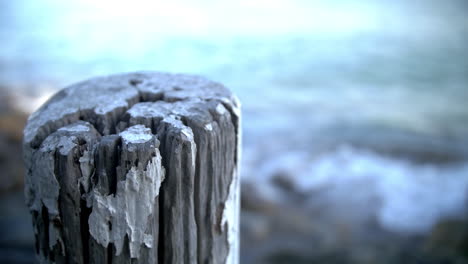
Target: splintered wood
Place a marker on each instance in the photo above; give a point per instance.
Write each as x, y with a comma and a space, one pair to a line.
135, 168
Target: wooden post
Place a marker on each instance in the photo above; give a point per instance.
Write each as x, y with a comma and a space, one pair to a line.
135, 168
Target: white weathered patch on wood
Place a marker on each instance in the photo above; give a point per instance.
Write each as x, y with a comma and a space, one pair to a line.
231, 213
126, 213
209, 127
134, 134
75, 128
230, 219
86, 167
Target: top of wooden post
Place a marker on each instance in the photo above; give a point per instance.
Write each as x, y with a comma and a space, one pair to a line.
96, 99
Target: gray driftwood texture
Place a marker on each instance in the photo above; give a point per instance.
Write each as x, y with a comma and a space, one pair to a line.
135, 168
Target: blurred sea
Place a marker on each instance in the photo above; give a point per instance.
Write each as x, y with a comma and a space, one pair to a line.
360, 105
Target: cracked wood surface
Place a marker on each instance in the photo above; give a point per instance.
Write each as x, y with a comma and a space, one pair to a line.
135, 168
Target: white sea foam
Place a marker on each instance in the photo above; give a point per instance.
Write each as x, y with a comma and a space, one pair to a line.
403, 196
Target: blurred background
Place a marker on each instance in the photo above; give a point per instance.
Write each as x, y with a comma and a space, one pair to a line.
355, 113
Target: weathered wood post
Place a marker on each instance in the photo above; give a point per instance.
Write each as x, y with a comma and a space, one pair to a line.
135, 168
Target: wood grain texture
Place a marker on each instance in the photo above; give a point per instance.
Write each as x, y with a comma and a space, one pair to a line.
135, 168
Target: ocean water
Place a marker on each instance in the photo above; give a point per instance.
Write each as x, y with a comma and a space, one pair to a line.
365, 92
361, 186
